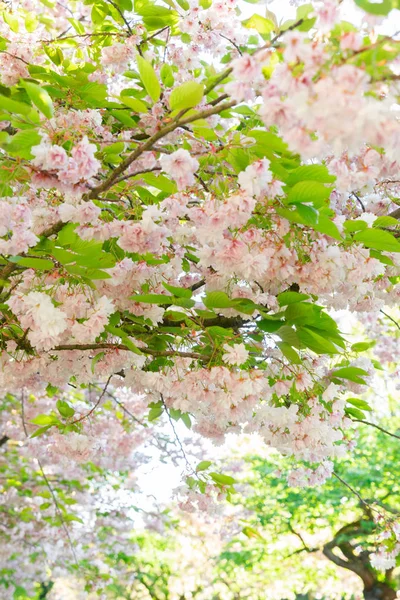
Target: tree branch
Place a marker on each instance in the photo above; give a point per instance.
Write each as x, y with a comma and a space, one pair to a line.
109, 346
121, 168
377, 427
391, 319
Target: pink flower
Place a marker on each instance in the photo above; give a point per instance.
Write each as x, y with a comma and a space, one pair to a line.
235, 355
282, 387
82, 165
351, 40
255, 179
56, 158
246, 68
180, 166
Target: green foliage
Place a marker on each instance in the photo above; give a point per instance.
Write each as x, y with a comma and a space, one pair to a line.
187, 95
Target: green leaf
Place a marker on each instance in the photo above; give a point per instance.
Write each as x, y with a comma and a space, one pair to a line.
222, 479
269, 326
133, 103
155, 16
152, 298
187, 95
217, 300
87, 273
355, 413
21, 143
289, 335
289, 353
362, 346
117, 331
99, 13
250, 532
351, 373
115, 148
65, 409
160, 182
316, 342
31, 22
309, 192
77, 25
358, 403
167, 76
55, 54
44, 420
149, 78
203, 465
40, 264
378, 240
96, 359
40, 431
268, 142
155, 412
260, 24
310, 172
286, 298
11, 20
357, 225
123, 117
178, 291
40, 97
185, 418
12, 106
385, 221
327, 227
376, 8
308, 213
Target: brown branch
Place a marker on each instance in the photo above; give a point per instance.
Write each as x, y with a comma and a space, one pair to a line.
391, 319
395, 213
124, 177
154, 35
178, 441
121, 168
91, 411
377, 427
108, 346
58, 510
117, 8
353, 564
198, 285
354, 491
14, 56
47, 482
296, 533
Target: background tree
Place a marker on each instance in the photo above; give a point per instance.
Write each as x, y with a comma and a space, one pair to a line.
338, 520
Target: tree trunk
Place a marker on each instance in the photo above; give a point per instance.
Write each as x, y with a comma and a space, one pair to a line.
379, 591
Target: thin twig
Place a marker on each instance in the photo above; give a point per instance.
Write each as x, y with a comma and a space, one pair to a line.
232, 42
357, 197
154, 35
58, 510
103, 346
126, 411
96, 405
391, 318
57, 506
377, 427
189, 466
117, 8
354, 491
